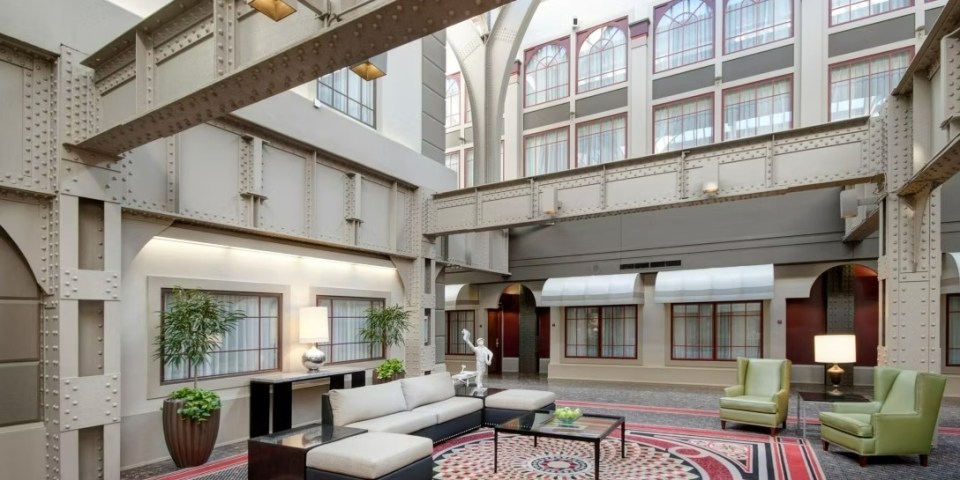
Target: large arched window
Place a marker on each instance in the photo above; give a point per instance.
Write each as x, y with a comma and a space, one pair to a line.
548, 74
684, 34
602, 58
748, 23
453, 100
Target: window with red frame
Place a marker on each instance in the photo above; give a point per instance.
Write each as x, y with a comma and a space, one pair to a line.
547, 74
749, 23
602, 141
844, 11
545, 152
601, 332
758, 108
457, 321
602, 57
859, 87
453, 100
683, 124
683, 34
716, 331
953, 329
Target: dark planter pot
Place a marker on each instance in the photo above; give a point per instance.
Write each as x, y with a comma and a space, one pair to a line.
189, 442
377, 381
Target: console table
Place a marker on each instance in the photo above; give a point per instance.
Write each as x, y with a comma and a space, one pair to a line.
282, 386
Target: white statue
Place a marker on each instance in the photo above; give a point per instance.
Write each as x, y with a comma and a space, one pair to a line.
484, 357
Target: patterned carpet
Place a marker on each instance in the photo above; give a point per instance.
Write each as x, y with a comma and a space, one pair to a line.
652, 452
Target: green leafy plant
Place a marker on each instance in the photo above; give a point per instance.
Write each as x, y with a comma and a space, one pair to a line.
192, 327
198, 403
386, 326
390, 368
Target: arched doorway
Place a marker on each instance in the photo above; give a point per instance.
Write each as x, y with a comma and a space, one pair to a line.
514, 331
843, 299
20, 342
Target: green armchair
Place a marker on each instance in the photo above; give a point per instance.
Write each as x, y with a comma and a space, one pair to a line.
761, 396
901, 420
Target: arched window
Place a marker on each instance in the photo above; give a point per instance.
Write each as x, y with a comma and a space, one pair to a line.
453, 100
548, 74
602, 59
748, 23
684, 34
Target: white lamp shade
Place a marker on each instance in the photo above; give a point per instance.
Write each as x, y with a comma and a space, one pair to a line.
314, 325
835, 348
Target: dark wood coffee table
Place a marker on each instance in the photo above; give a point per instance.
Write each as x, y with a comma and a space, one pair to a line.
588, 428
283, 455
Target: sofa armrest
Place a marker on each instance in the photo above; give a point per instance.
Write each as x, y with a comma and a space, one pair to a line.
855, 407
902, 433
734, 391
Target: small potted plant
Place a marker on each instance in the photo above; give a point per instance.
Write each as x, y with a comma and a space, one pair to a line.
192, 327
390, 370
386, 326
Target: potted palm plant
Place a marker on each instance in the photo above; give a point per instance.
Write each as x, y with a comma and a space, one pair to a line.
193, 326
386, 326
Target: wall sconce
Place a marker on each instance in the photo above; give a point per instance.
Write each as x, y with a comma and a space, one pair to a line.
280, 9
371, 68
275, 9
315, 329
711, 188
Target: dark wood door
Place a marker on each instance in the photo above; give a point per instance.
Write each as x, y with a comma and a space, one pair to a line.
494, 340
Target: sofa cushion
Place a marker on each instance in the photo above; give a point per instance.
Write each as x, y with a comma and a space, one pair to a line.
763, 377
856, 424
356, 404
902, 395
452, 408
369, 455
750, 403
427, 389
400, 422
520, 399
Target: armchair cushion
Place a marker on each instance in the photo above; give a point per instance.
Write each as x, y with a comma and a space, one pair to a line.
750, 403
763, 377
902, 395
857, 424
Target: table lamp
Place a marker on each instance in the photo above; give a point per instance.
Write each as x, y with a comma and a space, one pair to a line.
315, 329
835, 349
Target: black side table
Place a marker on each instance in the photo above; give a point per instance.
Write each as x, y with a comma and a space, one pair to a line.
282, 386
283, 455
822, 397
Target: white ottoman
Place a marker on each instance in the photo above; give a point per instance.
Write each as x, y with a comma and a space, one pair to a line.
372, 455
512, 403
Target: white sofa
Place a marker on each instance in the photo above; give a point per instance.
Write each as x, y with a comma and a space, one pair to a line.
425, 406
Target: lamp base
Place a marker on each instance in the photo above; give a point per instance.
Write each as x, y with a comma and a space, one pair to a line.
313, 358
835, 374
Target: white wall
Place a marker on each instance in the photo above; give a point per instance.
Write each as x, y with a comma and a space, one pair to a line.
189, 257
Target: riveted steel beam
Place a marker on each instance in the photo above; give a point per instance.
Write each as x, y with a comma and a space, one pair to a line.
839, 153
938, 170
302, 47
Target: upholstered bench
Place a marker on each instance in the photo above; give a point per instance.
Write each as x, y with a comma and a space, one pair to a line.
512, 403
372, 455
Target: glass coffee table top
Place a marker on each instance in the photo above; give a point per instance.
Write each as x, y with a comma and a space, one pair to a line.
822, 396
544, 423
309, 436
